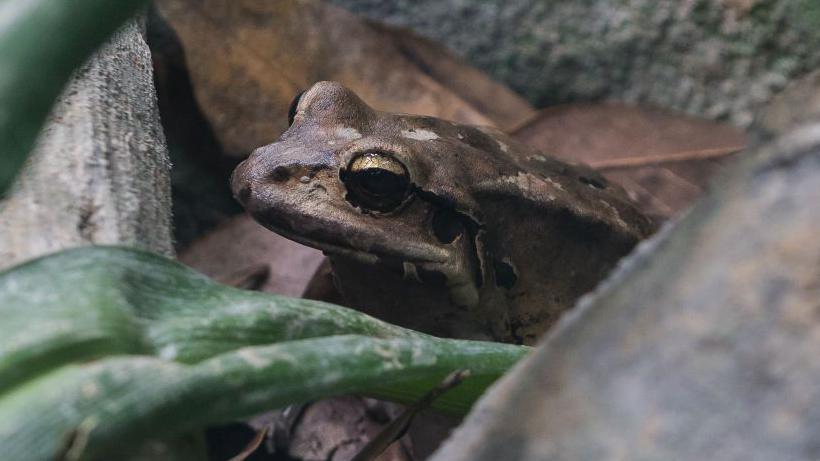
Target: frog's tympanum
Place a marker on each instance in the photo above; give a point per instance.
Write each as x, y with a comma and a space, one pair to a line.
450, 229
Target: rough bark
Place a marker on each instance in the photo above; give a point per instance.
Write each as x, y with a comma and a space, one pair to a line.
702, 346
715, 58
99, 172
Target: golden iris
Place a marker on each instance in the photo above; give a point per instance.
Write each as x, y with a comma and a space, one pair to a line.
376, 181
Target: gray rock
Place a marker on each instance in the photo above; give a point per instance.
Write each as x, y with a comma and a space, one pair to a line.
722, 59
798, 104
703, 345
100, 171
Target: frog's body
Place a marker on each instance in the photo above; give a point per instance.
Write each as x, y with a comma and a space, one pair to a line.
450, 229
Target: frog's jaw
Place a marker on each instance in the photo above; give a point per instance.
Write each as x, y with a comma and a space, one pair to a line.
460, 278
457, 271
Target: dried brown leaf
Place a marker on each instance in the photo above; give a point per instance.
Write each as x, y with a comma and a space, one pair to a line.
239, 249
663, 159
248, 58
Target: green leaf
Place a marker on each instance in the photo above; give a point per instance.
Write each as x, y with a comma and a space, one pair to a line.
41, 43
103, 345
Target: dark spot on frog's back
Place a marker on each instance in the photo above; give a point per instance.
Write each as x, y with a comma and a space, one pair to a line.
505, 274
446, 225
423, 122
478, 139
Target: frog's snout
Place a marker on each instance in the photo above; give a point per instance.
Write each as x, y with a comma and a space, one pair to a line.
254, 181
267, 181
240, 185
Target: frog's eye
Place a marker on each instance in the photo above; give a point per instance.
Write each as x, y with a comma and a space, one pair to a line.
376, 181
294, 105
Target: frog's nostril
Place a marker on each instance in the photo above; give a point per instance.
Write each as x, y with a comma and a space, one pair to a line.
280, 173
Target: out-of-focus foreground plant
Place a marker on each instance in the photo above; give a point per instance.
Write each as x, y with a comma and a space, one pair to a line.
41, 43
104, 346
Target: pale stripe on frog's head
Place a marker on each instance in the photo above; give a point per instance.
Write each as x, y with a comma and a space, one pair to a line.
419, 134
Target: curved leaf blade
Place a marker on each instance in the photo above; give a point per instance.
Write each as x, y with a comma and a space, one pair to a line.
103, 345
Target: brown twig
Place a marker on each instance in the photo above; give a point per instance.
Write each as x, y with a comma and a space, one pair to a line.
253, 445
648, 160
396, 428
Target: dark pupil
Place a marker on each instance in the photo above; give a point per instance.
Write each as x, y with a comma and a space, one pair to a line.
381, 183
378, 189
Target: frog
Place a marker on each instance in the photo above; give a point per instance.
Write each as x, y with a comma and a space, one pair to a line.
449, 229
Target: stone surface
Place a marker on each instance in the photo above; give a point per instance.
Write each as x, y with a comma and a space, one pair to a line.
798, 104
99, 173
703, 345
716, 58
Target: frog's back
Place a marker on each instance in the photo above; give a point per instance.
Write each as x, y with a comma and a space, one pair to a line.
550, 184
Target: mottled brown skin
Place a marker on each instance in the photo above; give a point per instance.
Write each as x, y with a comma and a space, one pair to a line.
492, 240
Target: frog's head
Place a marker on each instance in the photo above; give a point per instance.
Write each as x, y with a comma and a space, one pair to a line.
377, 187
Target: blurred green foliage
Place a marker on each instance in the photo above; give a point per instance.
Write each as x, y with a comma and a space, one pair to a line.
116, 345
41, 43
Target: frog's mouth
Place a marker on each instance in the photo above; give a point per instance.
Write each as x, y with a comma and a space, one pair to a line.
328, 236
459, 275
335, 249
